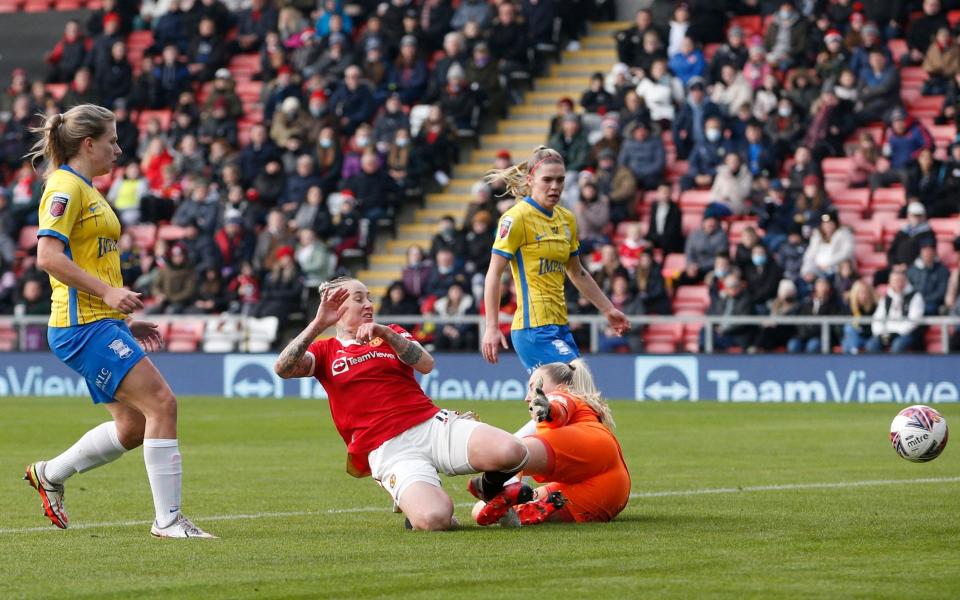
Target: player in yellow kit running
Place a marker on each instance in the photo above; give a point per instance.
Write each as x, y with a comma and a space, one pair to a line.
89, 330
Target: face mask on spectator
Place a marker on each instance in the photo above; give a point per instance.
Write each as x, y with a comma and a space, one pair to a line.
713, 134
758, 260
402, 142
363, 142
326, 143
784, 111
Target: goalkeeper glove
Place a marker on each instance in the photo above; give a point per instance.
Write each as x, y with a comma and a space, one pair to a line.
540, 406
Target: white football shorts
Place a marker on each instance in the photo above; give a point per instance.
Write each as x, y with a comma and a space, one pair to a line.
438, 445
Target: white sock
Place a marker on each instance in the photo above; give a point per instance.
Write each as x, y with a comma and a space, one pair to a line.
164, 469
97, 447
529, 428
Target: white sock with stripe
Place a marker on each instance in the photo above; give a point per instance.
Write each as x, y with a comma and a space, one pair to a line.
97, 447
165, 471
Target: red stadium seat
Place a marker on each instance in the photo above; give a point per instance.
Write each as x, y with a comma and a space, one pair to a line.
694, 201
144, 235
851, 199
948, 255
9, 6
36, 6
913, 75
736, 230
890, 227
184, 336
888, 199
898, 47
659, 347
673, 264
67, 4
945, 229
692, 297
867, 232
171, 232
8, 337
926, 106
750, 24
837, 166
245, 66
57, 90
943, 135
665, 335
690, 221
953, 17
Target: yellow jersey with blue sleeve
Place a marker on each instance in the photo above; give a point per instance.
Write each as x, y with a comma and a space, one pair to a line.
538, 243
74, 212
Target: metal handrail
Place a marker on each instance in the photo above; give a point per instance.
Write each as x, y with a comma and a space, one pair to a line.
596, 323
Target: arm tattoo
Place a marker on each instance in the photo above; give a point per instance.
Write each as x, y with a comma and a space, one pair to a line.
289, 361
408, 351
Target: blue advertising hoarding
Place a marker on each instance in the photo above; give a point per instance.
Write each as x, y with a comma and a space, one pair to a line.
909, 379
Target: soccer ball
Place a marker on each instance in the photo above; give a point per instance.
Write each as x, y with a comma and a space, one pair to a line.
918, 433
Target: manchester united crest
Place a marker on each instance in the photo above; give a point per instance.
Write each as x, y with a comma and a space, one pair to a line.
376, 342
392, 482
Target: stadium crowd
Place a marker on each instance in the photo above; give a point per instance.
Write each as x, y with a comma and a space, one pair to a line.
750, 157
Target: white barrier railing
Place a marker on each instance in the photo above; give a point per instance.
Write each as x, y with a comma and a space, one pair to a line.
595, 322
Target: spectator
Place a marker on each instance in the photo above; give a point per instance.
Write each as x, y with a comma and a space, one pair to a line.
688, 128
175, 286
391, 119
290, 121
644, 155
771, 334
171, 77
608, 267
253, 25
630, 41
617, 186
483, 74
906, 138
81, 91
879, 88
398, 302
905, 247
731, 90
803, 167
731, 187
732, 301
703, 245
346, 226
312, 213
706, 156
410, 72
832, 58
656, 91
942, 62
864, 161
786, 37
571, 142
376, 192
126, 192
244, 290
315, 260
952, 306
756, 151
776, 215
34, 300
476, 11
457, 336
830, 245
687, 62
281, 291
632, 245
925, 180
234, 243
651, 289
114, 76
756, 68
763, 275
844, 279
922, 31
948, 202
733, 53
68, 55
435, 146
329, 159
666, 227
443, 274
596, 99
610, 139
624, 299
790, 254
446, 238
257, 153
211, 295
863, 303
352, 101
860, 57
593, 216
275, 235
270, 183
416, 272
459, 101
297, 184
678, 28
811, 204
895, 320
821, 303
929, 277
453, 54
477, 242
784, 130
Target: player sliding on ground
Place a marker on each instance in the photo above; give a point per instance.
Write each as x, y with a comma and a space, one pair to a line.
89, 326
574, 453
393, 431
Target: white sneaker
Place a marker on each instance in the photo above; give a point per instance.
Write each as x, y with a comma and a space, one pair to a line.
50, 493
181, 527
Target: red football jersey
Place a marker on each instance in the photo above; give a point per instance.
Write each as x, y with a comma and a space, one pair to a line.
373, 395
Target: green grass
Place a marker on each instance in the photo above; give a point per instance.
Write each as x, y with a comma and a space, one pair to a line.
244, 457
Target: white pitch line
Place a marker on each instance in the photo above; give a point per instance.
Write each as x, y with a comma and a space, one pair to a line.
636, 495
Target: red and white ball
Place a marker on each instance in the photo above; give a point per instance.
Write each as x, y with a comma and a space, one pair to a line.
918, 433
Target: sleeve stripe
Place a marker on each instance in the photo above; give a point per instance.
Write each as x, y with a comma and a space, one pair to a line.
575, 252
506, 255
54, 234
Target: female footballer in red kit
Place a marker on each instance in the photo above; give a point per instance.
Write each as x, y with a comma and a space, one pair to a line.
393, 431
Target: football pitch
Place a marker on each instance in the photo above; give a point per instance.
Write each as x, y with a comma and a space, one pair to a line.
729, 500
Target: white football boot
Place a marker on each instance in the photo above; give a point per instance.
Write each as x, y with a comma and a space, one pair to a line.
181, 527
50, 493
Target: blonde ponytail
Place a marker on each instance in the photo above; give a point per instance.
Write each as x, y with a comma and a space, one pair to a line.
578, 380
61, 134
514, 178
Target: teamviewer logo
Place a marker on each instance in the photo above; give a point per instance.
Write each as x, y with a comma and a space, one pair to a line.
250, 376
667, 378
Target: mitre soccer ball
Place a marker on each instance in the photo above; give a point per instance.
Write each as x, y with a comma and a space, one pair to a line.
918, 433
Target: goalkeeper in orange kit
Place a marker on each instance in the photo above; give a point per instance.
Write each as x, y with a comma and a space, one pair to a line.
573, 453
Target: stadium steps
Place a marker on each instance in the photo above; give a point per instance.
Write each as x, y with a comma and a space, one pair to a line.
526, 128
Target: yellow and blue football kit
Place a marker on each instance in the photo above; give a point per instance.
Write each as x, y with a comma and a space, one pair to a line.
538, 243
86, 334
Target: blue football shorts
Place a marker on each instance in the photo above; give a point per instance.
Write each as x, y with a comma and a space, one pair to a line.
541, 345
102, 352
